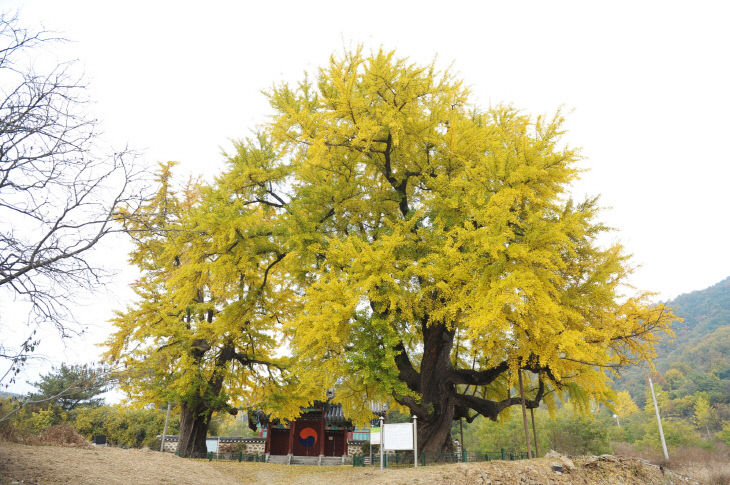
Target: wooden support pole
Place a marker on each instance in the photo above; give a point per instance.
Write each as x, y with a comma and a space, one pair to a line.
164, 431
524, 414
534, 433
461, 430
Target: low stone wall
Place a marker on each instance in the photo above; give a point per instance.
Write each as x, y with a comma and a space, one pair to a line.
226, 444
354, 447
170, 445
252, 446
247, 446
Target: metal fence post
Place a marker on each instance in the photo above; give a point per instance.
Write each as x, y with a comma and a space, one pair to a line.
382, 439
415, 442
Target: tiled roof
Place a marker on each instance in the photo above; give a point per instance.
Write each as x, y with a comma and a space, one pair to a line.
333, 414
257, 417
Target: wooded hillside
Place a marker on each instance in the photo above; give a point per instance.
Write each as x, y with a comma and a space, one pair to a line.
696, 359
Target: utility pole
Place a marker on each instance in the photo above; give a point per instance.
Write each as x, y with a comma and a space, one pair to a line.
659, 421
524, 414
164, 431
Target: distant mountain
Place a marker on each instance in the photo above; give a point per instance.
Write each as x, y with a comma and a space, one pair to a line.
704, 312
700, 349
5, 394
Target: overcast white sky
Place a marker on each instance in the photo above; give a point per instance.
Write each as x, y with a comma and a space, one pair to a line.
645, 85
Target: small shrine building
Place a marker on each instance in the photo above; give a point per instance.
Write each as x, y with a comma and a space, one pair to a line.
320, 430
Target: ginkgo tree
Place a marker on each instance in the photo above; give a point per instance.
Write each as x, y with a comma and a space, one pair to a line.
440, 253
203, 330
387, 238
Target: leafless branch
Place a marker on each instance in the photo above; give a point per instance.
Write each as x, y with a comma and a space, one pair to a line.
37, 401
59, 196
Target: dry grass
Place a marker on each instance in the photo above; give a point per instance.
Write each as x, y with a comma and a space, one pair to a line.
56, 465
59, 435
709, 466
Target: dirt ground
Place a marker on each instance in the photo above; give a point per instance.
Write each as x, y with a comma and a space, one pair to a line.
54, 464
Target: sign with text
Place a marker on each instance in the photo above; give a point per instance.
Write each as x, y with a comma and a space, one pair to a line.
398, 436
374, 436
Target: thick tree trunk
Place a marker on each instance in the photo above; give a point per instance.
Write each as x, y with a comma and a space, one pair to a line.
440, 401
434, 432
194, 422
437, 403
195, 418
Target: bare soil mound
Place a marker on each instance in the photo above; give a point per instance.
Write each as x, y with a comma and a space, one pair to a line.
59, 435
54, 464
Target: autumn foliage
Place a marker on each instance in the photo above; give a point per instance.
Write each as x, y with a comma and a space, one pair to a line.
384, 237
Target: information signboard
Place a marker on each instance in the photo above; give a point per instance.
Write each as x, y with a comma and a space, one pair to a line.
398, 436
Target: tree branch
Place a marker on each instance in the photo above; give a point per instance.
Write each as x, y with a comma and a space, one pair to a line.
406, 372
478, 378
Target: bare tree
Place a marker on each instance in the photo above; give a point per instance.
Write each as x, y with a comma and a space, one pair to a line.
58, 195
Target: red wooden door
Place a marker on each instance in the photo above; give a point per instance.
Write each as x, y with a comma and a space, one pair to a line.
279, 441
306, 438
334, 444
